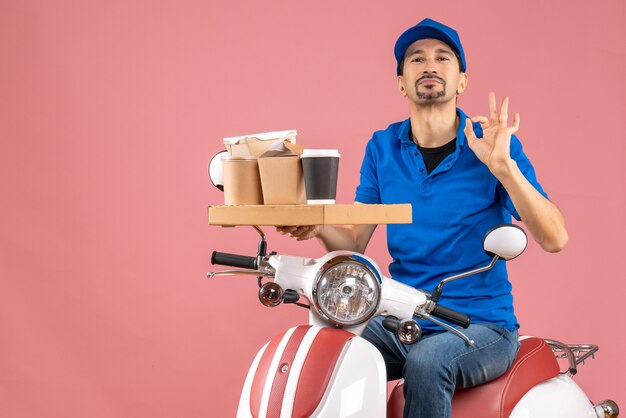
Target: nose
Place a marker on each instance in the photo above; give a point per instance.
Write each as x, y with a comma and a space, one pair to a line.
431, 67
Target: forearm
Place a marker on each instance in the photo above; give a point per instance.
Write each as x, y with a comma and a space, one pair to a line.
542, 217
345, 237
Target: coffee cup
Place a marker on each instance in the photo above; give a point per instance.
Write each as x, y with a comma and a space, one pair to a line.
320, 168
242, 183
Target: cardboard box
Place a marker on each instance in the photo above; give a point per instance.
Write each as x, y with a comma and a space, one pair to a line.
310, 214
280, 170
254, 145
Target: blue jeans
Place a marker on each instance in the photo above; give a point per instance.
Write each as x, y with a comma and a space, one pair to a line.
440, 362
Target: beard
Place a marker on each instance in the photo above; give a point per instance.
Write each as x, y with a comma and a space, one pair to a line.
430, 95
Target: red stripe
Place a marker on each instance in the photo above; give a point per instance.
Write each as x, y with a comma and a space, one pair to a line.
258, 383
280, 376
317, 369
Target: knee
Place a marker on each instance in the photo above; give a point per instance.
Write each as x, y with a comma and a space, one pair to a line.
426, 366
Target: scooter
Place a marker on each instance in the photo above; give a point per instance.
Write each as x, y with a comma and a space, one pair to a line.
325, 369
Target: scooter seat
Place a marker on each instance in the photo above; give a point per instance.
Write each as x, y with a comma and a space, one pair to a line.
535, 363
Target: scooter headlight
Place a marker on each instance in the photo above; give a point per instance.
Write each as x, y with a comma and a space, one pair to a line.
347, 290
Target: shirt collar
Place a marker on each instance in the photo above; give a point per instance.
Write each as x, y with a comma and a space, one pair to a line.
405, 137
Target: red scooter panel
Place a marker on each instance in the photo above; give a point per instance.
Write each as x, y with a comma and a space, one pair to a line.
321, 354
535, 363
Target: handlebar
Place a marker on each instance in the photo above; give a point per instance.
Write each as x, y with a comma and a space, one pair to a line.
234, 260
452, 316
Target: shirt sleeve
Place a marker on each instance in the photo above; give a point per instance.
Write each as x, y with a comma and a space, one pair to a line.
368, 191
517, 154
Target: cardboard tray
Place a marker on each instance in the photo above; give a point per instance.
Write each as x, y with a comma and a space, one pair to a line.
310, 214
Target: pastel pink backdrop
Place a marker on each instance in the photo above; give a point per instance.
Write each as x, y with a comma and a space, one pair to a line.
111, 110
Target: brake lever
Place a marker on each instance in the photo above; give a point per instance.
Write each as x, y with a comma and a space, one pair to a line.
265, 270
424, 315
211, 274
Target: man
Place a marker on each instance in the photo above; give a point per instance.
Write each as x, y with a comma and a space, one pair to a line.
462, 176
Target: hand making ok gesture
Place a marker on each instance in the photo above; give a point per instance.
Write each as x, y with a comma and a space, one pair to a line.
493, 149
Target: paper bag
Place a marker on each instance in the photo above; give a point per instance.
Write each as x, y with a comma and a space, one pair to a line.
254, 145
280, 168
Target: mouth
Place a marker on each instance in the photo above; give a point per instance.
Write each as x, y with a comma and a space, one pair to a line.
429, 81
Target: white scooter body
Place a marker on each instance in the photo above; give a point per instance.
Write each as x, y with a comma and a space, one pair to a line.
320, 370
559, 397
358, 383
358, 388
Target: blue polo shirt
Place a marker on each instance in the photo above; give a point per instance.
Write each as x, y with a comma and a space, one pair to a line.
453, 207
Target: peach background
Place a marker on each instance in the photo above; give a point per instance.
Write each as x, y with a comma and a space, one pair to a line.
111, 110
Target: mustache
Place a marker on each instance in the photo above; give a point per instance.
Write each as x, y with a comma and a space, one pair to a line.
426, 76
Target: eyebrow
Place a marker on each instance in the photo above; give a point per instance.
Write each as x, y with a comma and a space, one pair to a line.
439, 50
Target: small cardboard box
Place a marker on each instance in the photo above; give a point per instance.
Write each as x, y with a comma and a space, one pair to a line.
254, 145
280, 169
310, 214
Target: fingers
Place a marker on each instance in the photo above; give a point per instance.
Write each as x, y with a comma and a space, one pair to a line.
493, 109
304, 232
484, 122
304, 236
504, 111
501, 118
300, 233
469, 133
516, 120
285, 229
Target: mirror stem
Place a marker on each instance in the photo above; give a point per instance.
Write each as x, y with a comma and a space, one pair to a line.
437, 292
262, 248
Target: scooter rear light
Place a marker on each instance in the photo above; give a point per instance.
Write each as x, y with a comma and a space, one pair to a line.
607, 409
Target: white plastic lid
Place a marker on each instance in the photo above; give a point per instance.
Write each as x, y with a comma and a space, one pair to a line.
320, 153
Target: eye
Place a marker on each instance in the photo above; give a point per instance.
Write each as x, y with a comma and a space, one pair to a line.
444, 58
417, 59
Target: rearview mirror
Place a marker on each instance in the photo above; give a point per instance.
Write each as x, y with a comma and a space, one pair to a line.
215, 170
506, 241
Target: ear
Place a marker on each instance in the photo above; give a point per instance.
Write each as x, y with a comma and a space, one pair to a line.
401, 86
462, 83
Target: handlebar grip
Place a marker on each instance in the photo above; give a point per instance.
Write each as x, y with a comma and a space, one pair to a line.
391, 323
234, 260
452, 316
